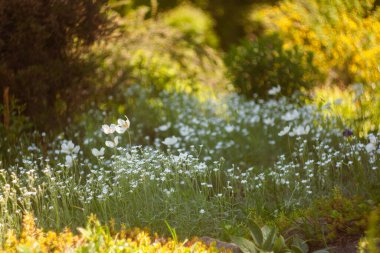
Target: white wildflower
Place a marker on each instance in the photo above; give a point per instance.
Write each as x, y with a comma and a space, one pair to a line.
69, 148
269, 121
69, 161
169, 141
229, 128
97, 152
371, 146
109, 129
114, 143
122, 125
290, 116
284, 131
274, 90
164, 128
300, 130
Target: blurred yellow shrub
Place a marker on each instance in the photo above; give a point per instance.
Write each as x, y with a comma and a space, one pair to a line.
358, 106
343, 35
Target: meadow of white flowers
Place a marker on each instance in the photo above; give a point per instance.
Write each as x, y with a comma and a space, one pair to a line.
202, 166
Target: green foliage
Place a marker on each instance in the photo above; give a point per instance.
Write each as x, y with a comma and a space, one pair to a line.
371, 242
231, 17
13, 133
335, 219
193, 23
153, 54
266, 239
256, 66
41, 48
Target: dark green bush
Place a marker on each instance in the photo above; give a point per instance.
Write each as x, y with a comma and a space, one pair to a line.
41, 54
256, 66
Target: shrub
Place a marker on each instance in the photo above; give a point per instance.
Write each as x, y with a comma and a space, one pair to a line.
344, 35
153, 54
334, 220
256, 66
95, 238
193, 22
358, 105
41, 48
371, 242
231, 17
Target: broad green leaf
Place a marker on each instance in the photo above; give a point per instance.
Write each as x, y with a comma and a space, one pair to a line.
266, 231
245, 245
256, 233
279, 244
269, 240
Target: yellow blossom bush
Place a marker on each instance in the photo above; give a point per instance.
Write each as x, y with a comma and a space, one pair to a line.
358, 106
95, 238
343, 35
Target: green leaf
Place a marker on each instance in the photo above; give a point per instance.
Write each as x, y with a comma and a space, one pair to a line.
266, 231
279, 244
256, 233
297, 249
300, 244
172, 232
269, 242
245, 245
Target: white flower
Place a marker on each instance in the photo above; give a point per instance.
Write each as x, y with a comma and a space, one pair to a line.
269, 121
372, 139
97, 152
284, 131
69, 161
289, 116
122, 125
69, 148
120, 130
370, 147
163, 128
202, 211
300, 130
274, 90
229, 128
114, 143
184, 131
109, 129
170, 141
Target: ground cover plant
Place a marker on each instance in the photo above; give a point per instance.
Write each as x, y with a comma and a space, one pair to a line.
187, 145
